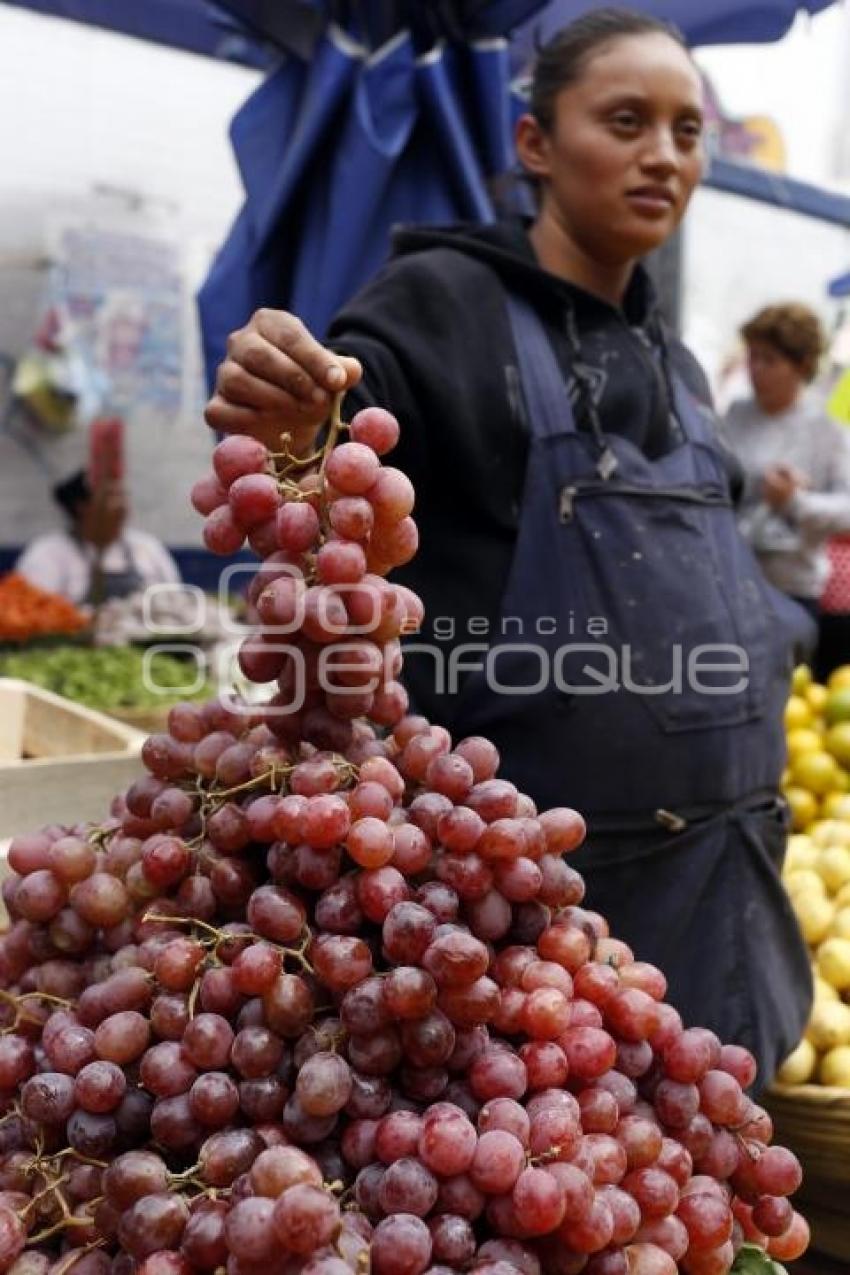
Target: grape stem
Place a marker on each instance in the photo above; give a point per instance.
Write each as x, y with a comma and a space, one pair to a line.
57, 1227
51, 1186
217, 936
65, 1265
16, 1001
333, 432
99, 834
545, 1157
83, 1159
193, 998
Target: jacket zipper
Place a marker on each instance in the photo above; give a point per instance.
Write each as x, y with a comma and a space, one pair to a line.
570, 494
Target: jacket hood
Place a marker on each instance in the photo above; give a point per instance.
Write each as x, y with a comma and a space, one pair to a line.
506, 247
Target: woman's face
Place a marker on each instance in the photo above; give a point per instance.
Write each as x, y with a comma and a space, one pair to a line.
776, 381
625, 151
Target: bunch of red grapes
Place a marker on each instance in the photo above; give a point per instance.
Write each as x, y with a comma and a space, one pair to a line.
320, 995
328, 531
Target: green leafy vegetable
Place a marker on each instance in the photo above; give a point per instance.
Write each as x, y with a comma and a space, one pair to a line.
104, 677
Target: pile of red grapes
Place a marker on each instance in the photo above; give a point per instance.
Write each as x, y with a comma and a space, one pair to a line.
319, 996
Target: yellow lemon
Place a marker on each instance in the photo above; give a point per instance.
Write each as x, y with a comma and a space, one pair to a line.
837, 706
799, 1066
839, 678
836, 805
837, 742
833, 867
842, 781
824, 991
797, 713
801, 853
816, 697
834, 963
803, 807
829, 1025
830, 832
840, 925
814, 914
801, 679
842, 898
835, 1067
815, 771
800, 881
803, 740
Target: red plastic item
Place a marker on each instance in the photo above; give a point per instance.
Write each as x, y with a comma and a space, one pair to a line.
106, 451
836, 595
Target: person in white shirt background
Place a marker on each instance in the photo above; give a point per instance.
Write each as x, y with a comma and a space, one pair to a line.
97, 557
796, 459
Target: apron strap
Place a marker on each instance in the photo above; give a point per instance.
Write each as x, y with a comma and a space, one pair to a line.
547, 400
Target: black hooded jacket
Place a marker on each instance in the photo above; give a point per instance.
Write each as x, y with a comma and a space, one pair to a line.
433, 334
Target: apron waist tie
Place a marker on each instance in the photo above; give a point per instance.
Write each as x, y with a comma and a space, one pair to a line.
678, 821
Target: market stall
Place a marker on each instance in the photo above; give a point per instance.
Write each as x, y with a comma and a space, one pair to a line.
315, 992
132, 658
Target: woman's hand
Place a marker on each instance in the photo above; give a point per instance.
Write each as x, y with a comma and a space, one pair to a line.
277, 378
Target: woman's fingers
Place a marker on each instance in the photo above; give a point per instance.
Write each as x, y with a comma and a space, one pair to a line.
289, 416
245, 385
276, 345
277, 378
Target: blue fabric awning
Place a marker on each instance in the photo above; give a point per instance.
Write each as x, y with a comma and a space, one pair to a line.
702, 21
201, 26
195, 26
779, 191
840, 287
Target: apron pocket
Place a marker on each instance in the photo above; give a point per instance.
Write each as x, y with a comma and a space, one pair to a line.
707, 907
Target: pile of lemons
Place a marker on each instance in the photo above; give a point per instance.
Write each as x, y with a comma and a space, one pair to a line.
817, 868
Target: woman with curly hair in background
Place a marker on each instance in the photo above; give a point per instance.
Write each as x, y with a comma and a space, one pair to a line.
795, 458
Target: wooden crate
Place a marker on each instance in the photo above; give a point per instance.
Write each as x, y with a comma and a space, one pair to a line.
814, 1121
59, 762
148, 720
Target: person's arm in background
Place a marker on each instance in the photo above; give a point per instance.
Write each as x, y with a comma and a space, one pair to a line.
43, 564
693, 374
826, 513
748, 480
159, 565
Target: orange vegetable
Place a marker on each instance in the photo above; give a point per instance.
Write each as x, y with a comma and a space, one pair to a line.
27, 611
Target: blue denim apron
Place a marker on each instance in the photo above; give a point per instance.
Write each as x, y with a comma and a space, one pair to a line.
118, 583
640, 673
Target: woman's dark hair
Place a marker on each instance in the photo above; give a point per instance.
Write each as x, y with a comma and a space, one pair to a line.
72, 494
561, 62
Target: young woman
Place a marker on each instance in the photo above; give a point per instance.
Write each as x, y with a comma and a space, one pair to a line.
580, 561
796, 459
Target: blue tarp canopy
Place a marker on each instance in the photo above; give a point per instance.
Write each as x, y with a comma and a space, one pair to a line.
840, 287
779, 191
192, 25
201, 26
